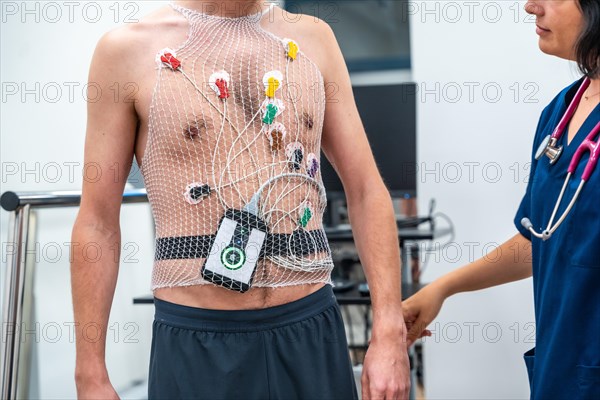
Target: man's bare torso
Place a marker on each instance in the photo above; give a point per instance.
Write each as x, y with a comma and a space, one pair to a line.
168, 28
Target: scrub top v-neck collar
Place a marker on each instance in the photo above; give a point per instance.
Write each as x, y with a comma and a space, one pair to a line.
588, 123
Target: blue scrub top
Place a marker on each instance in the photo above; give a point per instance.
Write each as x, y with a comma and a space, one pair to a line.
565, 363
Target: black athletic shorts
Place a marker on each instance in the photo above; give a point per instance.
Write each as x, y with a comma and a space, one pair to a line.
297, 350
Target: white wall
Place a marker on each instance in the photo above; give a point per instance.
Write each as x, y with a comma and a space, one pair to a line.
464, 142
46, 51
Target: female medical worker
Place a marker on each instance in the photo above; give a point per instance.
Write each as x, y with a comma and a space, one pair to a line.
565, 264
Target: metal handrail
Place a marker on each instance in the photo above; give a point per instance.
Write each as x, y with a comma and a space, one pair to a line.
11, 201
21, 206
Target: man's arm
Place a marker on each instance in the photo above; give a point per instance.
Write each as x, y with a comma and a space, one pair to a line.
371, 213
108, 153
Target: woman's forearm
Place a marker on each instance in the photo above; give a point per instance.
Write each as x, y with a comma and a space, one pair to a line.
510, 262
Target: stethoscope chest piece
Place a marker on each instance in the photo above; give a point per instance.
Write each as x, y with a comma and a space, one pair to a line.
553, 152
550, 149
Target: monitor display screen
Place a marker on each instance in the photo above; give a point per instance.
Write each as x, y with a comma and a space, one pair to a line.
388, 113
370, 47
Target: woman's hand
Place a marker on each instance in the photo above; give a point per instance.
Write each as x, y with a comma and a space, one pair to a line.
420, 309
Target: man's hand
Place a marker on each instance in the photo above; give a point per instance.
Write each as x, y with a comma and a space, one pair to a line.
386, 369
95, 390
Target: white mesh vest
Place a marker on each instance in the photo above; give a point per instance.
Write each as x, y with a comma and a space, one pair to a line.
235, 124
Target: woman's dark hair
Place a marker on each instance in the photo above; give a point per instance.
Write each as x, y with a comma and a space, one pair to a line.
587, 49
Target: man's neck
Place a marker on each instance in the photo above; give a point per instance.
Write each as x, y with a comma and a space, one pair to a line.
225, 8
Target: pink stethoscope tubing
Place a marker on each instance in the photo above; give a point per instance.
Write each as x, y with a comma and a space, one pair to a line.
553, 152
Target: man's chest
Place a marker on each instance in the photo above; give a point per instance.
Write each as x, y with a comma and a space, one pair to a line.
240, 83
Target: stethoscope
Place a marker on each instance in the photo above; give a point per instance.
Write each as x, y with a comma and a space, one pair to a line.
550, 149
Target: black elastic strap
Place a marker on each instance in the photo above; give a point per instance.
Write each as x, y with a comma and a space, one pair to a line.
299, 243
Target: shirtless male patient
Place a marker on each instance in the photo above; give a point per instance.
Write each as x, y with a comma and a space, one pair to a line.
182, 118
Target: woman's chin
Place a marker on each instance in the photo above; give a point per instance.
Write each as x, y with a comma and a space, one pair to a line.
548, 48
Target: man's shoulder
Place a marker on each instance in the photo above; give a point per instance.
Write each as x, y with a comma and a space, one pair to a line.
129, 44
314, 35
308, 25
293, 17
136, 37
